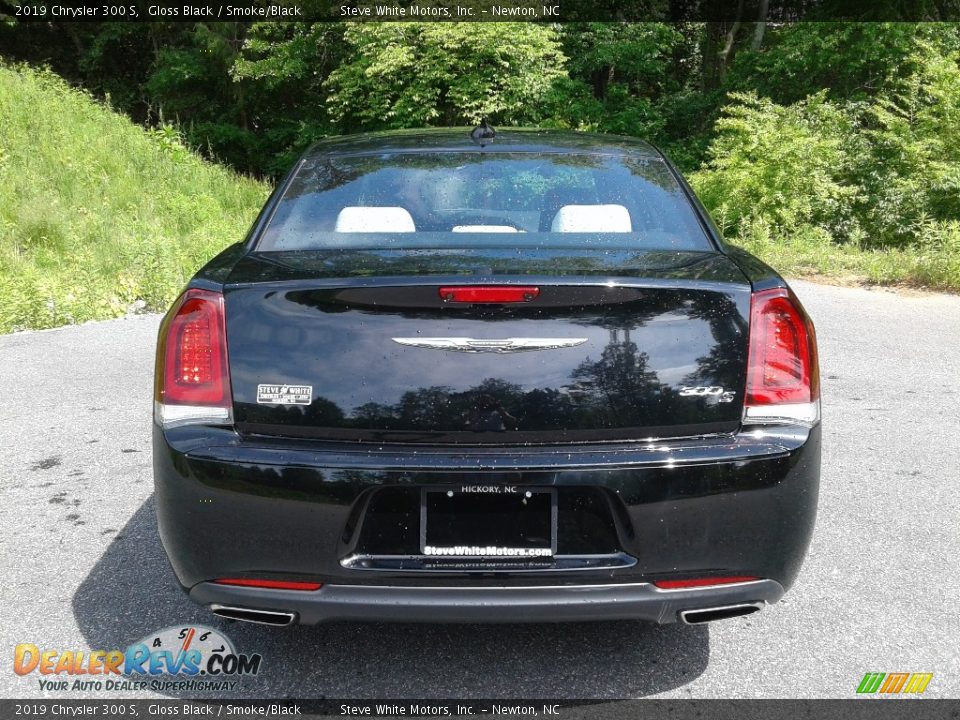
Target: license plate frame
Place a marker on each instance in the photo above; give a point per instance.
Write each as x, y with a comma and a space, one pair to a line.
526, 543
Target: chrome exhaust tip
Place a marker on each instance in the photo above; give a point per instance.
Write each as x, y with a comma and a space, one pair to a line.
276, 618
704, 615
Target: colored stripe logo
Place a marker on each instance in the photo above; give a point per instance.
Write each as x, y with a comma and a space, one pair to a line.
894, 683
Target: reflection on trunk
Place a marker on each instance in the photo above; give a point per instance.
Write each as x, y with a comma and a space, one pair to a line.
616, 390
662, 356
618, 387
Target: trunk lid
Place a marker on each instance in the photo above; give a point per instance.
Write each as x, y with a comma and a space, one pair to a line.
360, 346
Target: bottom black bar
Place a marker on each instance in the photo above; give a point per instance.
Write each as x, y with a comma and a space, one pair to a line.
853, 709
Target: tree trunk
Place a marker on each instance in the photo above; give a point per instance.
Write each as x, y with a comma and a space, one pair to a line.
236, 45
761, 25
601, 79
710, 59
726, 55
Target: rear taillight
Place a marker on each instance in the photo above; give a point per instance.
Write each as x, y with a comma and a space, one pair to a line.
192, 383
783, 383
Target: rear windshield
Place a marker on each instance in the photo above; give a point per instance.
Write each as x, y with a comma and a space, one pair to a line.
483, 199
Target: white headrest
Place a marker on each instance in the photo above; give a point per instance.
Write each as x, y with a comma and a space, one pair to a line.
374, 220
485, 228
591, 218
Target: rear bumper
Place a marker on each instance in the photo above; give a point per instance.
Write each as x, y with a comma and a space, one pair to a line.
634, 601
743, 505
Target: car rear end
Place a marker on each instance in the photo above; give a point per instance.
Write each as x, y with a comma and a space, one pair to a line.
544, 391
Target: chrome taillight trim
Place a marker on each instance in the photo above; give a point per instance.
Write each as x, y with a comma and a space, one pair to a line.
170, 416
785, 414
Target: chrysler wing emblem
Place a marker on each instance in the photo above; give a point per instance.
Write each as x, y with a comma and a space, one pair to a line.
473, 345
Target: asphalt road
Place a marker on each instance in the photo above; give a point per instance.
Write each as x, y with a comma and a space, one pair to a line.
82, 567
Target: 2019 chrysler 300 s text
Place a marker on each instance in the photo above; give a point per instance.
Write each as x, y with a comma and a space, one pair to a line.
466, 377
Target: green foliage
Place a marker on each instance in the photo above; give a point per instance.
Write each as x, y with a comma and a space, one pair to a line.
624, 78
689, 119
95, 213
400, 75
639, 56
848, 60
285, 65
784, 164
912, 175
872, 184
290, 56
190, 82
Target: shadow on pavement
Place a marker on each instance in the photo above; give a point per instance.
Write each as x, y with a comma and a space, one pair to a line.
131, 592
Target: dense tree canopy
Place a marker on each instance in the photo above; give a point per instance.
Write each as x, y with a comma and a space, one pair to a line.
399, 75
833, 132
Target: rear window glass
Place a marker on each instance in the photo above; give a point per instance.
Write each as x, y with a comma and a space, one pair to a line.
483, 199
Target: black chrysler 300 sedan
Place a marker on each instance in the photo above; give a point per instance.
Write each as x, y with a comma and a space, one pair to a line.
510, 378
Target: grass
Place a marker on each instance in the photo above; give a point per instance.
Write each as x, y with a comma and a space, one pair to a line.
97, 215
810, 252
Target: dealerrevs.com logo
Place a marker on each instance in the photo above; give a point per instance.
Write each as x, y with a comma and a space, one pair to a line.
176, 658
